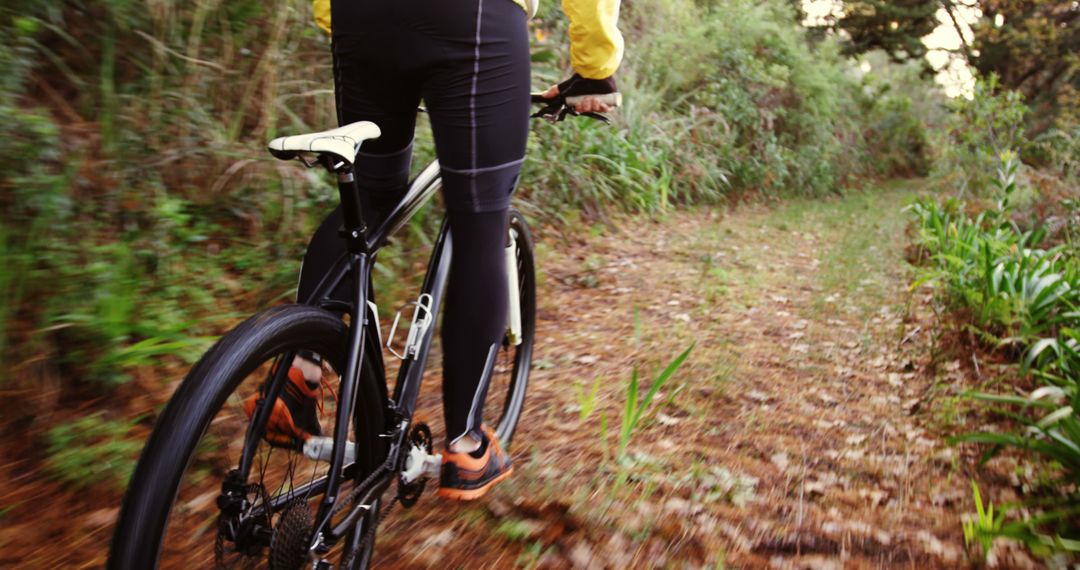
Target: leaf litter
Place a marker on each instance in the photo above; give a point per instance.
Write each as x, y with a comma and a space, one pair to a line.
809, 454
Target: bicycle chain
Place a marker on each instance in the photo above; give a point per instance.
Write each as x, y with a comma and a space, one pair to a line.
346, 560
365, 542
384, 512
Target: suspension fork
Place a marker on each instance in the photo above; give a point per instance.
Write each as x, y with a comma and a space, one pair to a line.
513, 316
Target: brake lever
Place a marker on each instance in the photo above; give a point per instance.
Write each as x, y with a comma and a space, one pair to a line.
557, 110
553, 112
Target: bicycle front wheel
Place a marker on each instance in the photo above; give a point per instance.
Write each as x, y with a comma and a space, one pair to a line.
174, 512
510, 376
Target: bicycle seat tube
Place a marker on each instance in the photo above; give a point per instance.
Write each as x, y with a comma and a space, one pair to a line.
354, 230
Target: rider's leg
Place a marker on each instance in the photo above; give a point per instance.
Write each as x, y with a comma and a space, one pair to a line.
368, 88
471, 60
477, 93
474, 322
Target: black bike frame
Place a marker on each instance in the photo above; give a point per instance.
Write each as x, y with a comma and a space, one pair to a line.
357, 263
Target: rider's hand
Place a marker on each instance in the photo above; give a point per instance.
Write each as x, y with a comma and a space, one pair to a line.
580, 86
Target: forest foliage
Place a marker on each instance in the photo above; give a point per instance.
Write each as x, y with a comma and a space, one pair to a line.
135, 172
1031, 46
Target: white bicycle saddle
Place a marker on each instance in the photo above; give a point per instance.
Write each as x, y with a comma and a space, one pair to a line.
343, 142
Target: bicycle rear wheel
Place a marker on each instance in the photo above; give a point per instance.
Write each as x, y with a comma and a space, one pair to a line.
510, 376
171, 511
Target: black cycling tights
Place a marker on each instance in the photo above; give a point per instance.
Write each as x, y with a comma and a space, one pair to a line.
469, 62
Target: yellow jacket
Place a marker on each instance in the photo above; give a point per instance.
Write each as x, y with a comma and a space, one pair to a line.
596, 46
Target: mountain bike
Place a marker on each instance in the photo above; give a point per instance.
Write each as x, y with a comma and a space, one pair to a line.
209, 490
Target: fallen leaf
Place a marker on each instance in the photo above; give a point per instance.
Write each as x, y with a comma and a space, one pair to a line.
780, 460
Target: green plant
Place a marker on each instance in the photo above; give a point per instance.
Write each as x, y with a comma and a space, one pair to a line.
1055, 434
513, 530
1017, 291
985, 527
635, 407
586, 402
1024, 299
1057, 360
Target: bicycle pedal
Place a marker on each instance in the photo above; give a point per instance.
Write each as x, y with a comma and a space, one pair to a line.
322, 449
419, 463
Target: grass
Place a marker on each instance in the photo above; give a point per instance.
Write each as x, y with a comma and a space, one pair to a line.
586, 401
861, 230
984, 527
635, 406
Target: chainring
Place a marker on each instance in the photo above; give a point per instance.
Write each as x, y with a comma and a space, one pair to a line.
409, 493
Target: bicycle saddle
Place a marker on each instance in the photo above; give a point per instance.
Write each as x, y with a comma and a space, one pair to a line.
342, 142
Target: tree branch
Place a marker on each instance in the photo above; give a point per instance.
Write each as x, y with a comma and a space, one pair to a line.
948, 5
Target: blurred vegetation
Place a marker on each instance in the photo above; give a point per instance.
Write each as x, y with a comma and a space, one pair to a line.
90, 450
134, 194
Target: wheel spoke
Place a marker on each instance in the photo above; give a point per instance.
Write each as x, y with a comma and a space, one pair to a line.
207, 521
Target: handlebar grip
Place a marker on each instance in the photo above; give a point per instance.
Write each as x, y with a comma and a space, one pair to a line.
612, 99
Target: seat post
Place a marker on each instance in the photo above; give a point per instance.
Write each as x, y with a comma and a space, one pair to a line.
354, 230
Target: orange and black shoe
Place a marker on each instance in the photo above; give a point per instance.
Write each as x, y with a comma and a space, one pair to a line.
468, 476
295, 417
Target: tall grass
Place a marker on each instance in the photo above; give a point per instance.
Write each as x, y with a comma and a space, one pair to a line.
134, 188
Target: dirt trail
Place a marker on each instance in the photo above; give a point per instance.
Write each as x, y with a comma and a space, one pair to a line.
794, 436
791, 438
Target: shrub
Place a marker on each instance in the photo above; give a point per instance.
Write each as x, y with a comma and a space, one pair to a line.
979, 131
721, 97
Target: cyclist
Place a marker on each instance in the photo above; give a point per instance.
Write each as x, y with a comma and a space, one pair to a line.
469, 62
